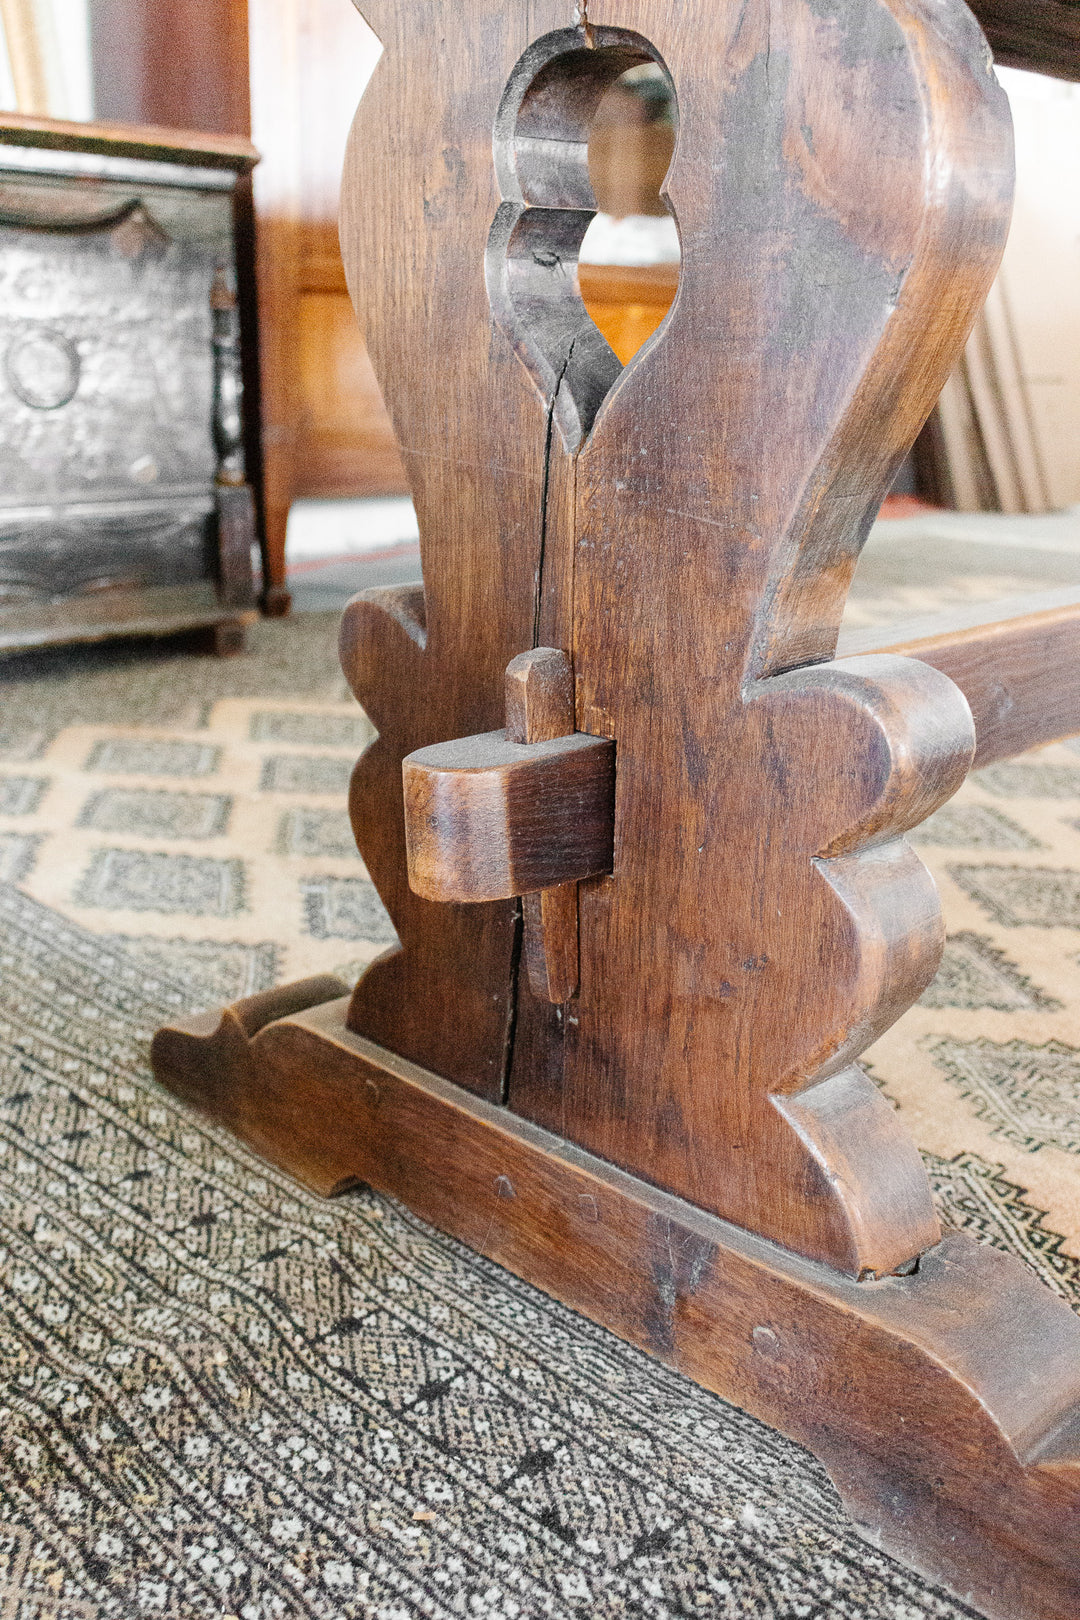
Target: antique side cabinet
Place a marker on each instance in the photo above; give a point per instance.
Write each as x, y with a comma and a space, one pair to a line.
124, 507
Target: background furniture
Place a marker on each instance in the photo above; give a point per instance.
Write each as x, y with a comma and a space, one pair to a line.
324, 428
287, 71
123, 502
627, 302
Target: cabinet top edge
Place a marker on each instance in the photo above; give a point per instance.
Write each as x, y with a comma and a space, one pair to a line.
193, 148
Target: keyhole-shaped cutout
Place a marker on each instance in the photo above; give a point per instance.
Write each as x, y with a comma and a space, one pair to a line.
541, 147
628, 268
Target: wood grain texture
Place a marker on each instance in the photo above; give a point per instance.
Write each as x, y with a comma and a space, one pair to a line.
540, 707
945, 1404
487, 818
539, 696
1016, 661
686, 527
1040, 35
345, 445
551, 942
516, 811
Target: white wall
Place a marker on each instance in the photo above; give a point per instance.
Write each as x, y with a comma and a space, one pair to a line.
61, 29
1039, 282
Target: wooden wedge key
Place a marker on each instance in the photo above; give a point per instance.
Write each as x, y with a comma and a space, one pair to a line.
640, 833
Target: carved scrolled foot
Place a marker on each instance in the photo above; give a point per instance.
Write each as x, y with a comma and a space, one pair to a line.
207, 1060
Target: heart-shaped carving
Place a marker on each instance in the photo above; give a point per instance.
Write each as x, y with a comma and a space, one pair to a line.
542, 162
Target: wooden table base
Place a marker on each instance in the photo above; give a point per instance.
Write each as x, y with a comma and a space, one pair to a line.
945, 1404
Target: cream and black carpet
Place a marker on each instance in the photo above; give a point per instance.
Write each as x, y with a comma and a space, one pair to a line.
224, 1396
221, 1396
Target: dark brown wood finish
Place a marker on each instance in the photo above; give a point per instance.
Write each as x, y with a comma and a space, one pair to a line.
516, 811
539, 696
1040, 35
345, 443
1017, 662
687, 528
487, 818
945, 1404
540, 707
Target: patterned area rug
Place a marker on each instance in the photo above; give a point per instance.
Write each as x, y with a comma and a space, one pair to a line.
226, 849
162, 682
165, 802
986, 1069
223, 1397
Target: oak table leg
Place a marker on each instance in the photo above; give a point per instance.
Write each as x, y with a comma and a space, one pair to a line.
640, 832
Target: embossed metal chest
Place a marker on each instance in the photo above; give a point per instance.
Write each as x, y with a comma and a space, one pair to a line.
123, 503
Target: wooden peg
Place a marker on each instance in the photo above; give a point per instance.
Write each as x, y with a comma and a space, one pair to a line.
539, 696
550, 942
494, 816
540, 706
512, 812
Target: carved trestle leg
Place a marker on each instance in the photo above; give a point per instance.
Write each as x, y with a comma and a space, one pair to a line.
641, 836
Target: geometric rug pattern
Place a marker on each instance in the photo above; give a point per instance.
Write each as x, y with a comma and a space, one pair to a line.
228, 845
222, 1396
986, 1068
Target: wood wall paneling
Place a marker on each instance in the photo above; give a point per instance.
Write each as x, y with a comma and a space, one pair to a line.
627, 302
345, 442
184, 65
